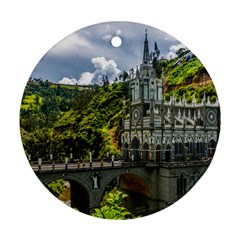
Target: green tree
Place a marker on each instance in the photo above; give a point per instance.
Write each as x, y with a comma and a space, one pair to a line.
123, 76
56, 187
110, 207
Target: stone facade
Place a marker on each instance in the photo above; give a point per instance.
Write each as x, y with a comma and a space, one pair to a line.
158, 130
177, 138
150, 188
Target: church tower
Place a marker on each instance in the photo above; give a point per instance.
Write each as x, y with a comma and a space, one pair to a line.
166, 131
144, 85
146, 96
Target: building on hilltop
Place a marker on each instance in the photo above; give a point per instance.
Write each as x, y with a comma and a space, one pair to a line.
166, 131
175, 140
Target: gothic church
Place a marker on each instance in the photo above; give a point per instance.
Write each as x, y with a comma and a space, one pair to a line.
177, 138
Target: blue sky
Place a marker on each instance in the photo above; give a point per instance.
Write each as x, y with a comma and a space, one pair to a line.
87, 54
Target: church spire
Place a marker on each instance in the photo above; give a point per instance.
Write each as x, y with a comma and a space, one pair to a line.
146, 57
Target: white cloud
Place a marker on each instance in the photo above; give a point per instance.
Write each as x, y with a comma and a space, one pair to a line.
173, 49
85, 78
69, 81
99, 62
102, 66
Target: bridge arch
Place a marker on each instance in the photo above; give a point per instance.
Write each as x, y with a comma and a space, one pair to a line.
138, 172
135, 183
78, 186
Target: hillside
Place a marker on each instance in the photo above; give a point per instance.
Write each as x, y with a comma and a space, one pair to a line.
69, 121
62, 120
96, 127
186, 76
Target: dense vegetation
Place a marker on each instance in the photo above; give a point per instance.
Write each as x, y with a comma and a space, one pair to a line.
69, 121
185, 76
56, 187
64, 121
111, 207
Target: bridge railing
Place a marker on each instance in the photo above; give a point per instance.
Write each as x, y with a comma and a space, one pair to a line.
77, 165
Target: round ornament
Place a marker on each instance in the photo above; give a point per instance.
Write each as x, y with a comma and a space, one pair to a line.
211, 117
107, 108
136, 114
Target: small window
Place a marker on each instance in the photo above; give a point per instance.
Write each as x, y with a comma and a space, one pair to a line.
181, 186
178, 148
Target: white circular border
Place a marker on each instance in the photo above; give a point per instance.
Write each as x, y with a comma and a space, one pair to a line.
208, 210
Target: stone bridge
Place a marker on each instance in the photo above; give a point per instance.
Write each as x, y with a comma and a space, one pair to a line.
150, 186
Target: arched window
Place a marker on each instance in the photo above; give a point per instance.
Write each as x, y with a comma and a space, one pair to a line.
136, 91
125, 152
178, 148
158, 153
181, 185
146, 153
135, 149
146, 91
200, 147
189, 147
133, 92
168, 153
211, 148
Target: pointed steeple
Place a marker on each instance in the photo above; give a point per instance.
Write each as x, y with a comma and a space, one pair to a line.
198, 114
137, 73
194, 101
146, 56
179, 113
208, 100
194, 116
